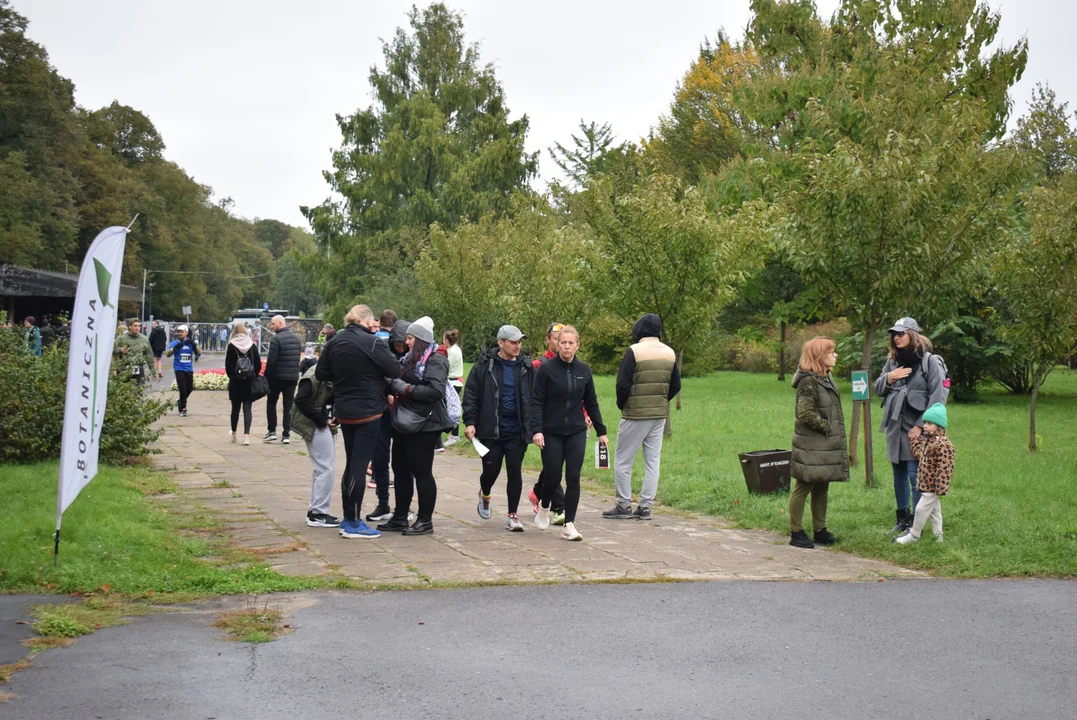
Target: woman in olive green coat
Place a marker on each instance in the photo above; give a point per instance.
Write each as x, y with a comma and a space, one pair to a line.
820, 455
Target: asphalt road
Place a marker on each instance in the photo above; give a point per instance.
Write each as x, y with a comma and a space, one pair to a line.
906, 649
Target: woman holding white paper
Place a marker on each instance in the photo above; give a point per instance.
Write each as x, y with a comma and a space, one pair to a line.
564, 387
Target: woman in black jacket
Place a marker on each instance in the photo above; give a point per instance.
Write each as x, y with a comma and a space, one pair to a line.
563, 389
419, 393
239, 388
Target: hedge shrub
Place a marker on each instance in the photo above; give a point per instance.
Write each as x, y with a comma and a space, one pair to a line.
32, 407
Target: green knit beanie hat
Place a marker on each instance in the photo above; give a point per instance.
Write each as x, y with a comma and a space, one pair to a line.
936, 414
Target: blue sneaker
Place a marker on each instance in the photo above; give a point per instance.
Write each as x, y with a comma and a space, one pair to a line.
358, 529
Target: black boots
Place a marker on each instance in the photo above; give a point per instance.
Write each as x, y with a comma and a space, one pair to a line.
823, 537
800, 539
420, 527
904, 522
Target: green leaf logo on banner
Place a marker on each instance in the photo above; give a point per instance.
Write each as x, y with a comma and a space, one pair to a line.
104, 279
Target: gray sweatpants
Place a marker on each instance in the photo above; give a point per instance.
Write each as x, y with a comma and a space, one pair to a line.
322, 451
630, 435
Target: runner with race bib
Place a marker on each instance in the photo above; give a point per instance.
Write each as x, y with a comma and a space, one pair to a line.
184, 351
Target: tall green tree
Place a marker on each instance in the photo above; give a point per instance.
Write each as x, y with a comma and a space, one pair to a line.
1037, 274
588, 154
528, 268
660, 249
437, 146
706, 126
884, 122
40, 142
291, 288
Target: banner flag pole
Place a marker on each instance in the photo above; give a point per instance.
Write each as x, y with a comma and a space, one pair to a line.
89, 366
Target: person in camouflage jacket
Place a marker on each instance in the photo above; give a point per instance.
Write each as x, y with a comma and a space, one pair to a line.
134, 358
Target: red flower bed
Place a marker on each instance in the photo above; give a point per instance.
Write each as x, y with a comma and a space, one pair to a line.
220, 371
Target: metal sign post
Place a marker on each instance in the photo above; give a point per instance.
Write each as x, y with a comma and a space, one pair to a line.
862, 394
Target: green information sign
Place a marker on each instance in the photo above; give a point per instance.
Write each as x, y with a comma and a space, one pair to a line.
860, 385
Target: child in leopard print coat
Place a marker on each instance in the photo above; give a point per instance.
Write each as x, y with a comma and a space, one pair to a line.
935, 454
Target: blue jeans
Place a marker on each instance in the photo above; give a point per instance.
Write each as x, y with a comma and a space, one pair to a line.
904, 479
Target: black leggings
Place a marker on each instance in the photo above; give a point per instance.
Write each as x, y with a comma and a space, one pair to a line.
566, 451
512, 452
246, 415
413, 456
360, 442
185, 385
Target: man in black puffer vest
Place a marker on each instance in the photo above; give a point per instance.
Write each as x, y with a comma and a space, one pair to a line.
282, 372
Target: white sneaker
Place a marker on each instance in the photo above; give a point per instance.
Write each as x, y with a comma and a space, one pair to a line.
246, 439
570, 532
232, 436
411, 517
451, 440
514, 524
938, 538
906, 539
542, 520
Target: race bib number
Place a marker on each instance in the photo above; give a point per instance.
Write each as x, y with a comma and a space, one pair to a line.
185, 357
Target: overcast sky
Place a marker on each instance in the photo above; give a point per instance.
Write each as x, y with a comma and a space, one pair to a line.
245, 92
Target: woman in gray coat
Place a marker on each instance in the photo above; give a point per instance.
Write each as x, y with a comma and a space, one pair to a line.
911, 381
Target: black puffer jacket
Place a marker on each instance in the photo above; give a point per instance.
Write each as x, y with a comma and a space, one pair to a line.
426, 397
282, 363
357, 364
562, 391
158, 340
482, 395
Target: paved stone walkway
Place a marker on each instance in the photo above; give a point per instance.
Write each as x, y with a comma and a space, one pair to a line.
268, 490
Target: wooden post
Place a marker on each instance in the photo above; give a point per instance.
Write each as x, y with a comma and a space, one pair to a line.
869, 469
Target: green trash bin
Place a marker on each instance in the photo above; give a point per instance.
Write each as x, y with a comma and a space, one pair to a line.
766, 471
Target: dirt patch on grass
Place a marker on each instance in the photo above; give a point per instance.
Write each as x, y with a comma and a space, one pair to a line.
40, 644
275, 549
256, 623
6, 671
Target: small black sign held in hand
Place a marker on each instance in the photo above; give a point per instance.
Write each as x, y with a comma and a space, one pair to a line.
602, 456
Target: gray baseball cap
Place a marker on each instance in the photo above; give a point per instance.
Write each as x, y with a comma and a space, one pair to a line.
905, 323
510, 332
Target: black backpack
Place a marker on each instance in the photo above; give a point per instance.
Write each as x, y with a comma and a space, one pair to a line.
244, 367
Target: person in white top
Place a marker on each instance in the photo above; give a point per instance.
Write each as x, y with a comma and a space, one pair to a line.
450, 339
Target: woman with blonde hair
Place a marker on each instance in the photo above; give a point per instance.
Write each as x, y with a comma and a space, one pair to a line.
241, 365
563, 389
820, 454
911, 381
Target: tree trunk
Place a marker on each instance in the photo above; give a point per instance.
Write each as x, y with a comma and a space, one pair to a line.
865, 364
1032, 413
781, 354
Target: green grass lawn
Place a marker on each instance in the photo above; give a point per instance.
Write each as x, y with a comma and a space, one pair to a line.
1009, 512
113, 536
